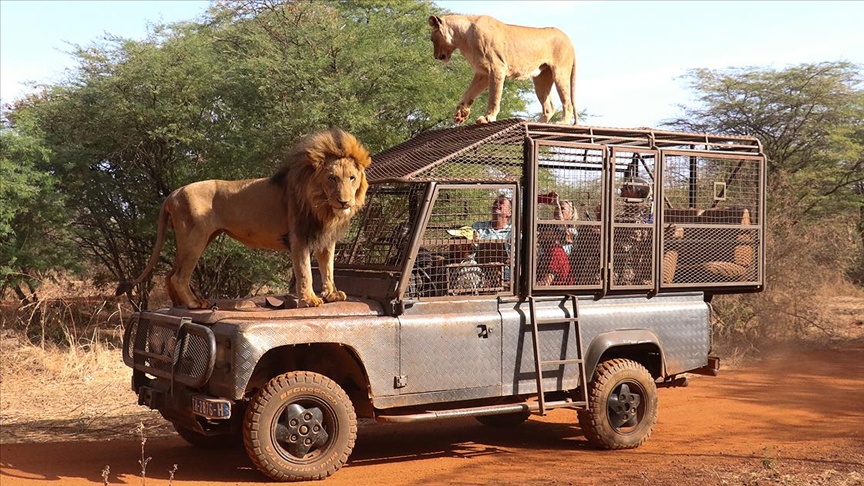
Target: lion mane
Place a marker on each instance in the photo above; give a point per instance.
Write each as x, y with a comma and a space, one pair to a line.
496, 51
304, 207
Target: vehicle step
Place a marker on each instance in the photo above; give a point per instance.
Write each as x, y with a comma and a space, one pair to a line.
478, 411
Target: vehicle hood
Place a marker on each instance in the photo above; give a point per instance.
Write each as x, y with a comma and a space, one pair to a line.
274, 308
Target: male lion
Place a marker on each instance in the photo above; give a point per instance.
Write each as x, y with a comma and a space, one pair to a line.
497, 51
305, 207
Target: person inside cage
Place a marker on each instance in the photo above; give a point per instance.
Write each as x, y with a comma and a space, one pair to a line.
498, 227
464, 274
564, 210
633, 245
553, 264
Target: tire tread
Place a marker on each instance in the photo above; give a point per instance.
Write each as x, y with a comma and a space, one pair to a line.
591, 421
254, 413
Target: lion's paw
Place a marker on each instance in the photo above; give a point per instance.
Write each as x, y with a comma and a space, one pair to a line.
310, 301
199, 304
461, 114
334, 296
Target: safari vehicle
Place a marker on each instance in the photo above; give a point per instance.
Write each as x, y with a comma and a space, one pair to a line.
629, 312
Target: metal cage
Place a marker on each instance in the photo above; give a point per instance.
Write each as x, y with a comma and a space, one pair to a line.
592, 210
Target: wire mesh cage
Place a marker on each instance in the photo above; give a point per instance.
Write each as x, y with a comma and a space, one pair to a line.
466, 247
478, 153
569, 213
633, 208
711, 213
610, 210
379, 235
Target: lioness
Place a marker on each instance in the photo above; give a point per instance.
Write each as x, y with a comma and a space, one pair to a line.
497, 51
305, 207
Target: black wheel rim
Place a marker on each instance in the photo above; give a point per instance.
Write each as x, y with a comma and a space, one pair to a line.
626, 406
304, 430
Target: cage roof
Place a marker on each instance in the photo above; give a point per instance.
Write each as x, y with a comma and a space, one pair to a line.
495, 152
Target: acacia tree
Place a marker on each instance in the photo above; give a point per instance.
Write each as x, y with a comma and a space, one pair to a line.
810, 120
224, 97
364, 65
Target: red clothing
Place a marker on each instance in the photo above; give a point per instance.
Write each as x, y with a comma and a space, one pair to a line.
546, 198
557, 263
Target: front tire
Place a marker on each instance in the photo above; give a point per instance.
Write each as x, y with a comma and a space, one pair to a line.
301, 426
622, 405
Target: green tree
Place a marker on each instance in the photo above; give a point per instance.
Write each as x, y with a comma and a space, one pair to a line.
35, 243
224, 97
809, 118
359, 64
130, 126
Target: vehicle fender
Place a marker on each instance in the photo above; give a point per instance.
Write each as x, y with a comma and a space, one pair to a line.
629, 338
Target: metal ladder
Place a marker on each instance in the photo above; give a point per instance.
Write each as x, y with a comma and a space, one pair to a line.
539, 363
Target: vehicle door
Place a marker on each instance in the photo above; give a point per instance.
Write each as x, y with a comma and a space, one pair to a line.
450, 331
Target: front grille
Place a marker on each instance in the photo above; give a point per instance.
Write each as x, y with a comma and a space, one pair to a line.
170, 347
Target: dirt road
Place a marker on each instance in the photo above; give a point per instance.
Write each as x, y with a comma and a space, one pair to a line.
794, 419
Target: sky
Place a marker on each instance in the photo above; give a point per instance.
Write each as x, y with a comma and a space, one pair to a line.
631, 56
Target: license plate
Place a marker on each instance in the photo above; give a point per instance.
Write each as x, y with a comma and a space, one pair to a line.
212, 408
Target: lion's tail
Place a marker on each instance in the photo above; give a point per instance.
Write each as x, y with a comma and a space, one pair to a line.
573, 92
127, 286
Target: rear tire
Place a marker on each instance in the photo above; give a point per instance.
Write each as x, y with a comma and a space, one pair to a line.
301, 426
622, 405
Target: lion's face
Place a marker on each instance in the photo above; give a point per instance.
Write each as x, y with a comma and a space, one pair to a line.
343, 185
442, 39
329, 173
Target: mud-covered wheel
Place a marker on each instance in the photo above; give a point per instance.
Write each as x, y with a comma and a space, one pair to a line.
301, 426
202, 441
622, 405
504, 420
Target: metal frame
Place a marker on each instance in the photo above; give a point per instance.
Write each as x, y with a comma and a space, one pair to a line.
531, 218
755, 284
634, 226
456, 155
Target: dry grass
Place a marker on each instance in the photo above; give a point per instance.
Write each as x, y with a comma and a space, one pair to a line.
808, 298
750, 324
62, 375
56, 393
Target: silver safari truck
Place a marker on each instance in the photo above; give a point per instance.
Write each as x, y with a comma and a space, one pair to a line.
496, 271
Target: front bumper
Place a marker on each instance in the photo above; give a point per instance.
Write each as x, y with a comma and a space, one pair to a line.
176, 406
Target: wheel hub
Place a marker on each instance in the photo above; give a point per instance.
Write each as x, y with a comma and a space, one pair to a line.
301, 429
623, 406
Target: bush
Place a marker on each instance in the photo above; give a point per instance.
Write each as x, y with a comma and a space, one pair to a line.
806, 266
